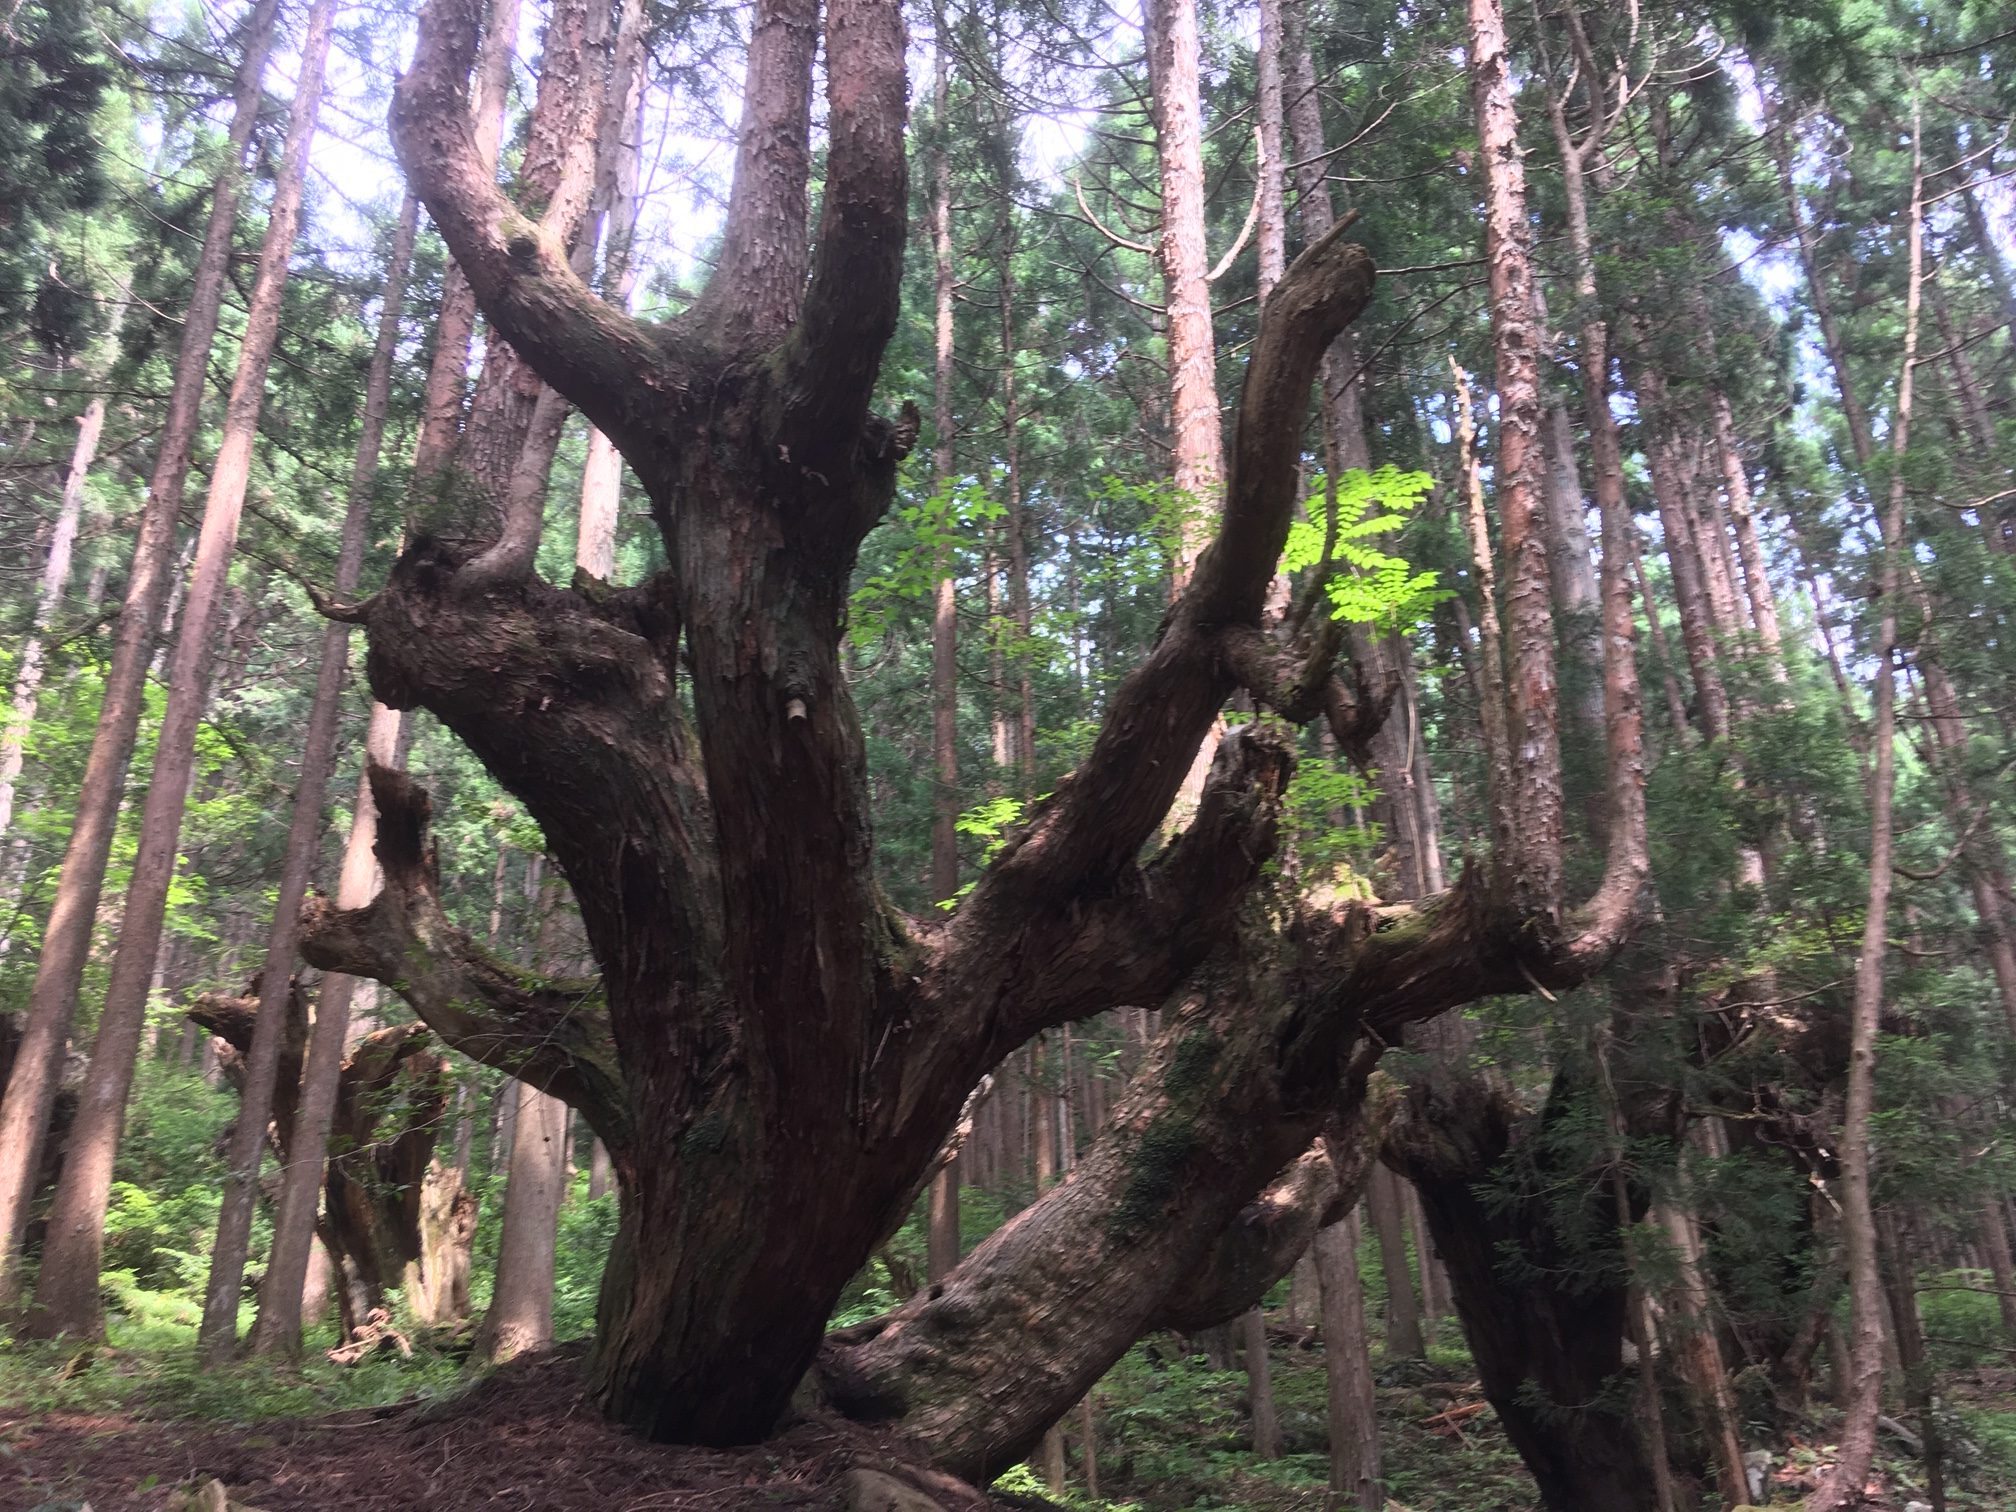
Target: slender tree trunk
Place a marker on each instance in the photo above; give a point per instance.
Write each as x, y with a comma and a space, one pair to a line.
55, 578
1895, 1258
277, 1330
520, 1318
1197, 435
942, 1247
1260, 1385
1859, 436
1574, 580
67, 1289
218, 1334
1434, 1283
66, 940
1356, 1477
1994, 1232
1862, 1401
1272, 234
619, 157
1694, 1341
1389, 1223
1684, 558
1016, 526
1743, 516
318, 1289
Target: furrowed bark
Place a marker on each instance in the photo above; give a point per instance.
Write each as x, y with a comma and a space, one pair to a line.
1533, 856
1082, 1273
66, 941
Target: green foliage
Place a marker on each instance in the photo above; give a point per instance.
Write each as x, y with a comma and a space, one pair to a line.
53, 76
587, 1227
1345, 522
923, 539
1330, 835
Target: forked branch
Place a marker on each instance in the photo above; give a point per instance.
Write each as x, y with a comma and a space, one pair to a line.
594, 354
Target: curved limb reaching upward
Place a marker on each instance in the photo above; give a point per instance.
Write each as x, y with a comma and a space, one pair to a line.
553, 1034
604, 361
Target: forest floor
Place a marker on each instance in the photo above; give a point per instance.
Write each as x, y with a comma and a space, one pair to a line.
138, 1428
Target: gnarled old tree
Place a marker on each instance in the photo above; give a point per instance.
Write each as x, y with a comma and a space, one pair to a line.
773, 1053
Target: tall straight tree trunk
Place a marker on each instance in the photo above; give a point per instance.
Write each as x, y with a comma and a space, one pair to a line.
1197, 435
218, 1334
520, 1318
1743, 518
1403, 1315
67, 1289
1574, 579
278, 1329
1863, 1399
1016, 526
1357, 1479
619, 156
1535, 768
66, 939
28, 670
1779, 129
1434, 1283
1896, 1259
1684, 557
1260, 1385
942, 1240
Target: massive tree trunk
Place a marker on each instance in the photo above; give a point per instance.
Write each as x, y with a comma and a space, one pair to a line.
757, 981
773, 1055
67, 1288
66, 939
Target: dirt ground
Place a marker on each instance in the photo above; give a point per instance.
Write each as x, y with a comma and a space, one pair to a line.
523, 1439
